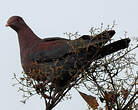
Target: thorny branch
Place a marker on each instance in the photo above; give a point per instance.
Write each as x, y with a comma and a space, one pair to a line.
113, 79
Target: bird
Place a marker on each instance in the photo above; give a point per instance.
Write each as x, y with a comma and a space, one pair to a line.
58, 60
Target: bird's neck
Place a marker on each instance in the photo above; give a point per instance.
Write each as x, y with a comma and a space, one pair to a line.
26, 38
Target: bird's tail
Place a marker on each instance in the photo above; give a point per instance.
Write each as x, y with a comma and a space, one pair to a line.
97, 41
113, 47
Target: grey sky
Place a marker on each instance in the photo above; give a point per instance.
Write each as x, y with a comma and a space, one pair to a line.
50, 18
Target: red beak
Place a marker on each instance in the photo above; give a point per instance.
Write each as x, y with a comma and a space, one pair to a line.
7, 25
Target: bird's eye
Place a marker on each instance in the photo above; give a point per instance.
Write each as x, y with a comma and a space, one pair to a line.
18, 19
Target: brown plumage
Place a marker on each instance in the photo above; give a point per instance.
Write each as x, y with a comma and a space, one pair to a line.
57, 60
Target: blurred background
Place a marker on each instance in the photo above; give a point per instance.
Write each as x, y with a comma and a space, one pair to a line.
50, 18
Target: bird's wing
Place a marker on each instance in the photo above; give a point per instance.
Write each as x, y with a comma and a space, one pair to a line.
53, 39
50, 49
59, 48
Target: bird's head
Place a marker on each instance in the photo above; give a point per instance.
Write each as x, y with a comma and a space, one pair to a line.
16, 23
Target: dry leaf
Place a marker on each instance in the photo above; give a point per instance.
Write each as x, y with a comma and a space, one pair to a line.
100, 108
22, 79
130, 107
106, 107
92, 102
124, 93
110, 97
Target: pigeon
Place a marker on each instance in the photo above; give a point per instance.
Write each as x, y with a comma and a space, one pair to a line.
58, 60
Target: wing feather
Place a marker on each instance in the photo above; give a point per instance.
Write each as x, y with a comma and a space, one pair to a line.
58, 48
